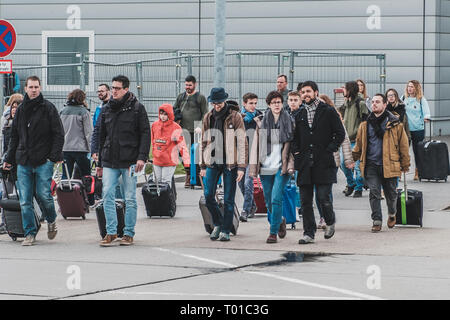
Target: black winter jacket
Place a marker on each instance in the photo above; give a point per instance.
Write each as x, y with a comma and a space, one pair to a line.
124, 133
37, 134
313, 148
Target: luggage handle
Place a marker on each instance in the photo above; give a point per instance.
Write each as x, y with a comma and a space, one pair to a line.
66, 167
150, 162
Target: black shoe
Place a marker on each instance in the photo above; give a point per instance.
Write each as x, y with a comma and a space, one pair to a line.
349, 191
345, 190
357, 194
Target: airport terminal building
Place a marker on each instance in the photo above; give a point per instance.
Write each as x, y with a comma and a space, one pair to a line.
408, 39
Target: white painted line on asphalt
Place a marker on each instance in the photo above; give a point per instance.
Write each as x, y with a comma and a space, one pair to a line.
316, 285
245, 296
297, 281
224, 264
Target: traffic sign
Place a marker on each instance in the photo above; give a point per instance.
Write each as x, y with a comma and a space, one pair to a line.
5, 66
7, 38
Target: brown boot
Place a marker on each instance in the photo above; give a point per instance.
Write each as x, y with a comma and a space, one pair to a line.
187, 182
108, 240
416, 175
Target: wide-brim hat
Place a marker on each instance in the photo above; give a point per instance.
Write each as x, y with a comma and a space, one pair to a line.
217, 95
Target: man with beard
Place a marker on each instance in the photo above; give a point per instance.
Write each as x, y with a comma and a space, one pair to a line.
319, 132
282, 88
382, 147
37, 139
124, 142
189, 108
104, 94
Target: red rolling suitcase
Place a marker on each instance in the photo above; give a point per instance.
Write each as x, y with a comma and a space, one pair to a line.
258, 195
72, 198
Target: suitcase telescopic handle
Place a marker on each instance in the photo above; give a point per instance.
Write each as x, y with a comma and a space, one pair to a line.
150, 162
66, 167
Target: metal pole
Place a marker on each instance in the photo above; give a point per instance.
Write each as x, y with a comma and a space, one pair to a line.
291, 71
82, 73
239, 56
178, 74
219, 53
139, 82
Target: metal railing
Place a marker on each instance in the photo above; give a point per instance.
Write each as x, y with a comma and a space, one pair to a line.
158, 77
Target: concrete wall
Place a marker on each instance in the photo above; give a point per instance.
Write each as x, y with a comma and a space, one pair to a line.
332, 26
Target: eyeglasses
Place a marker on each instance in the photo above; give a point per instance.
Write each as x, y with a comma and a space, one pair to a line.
216, 103
391, 95
116, 88
276, 102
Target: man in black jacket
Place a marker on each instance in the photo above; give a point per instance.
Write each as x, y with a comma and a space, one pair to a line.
37, 139
318, 134
123, 151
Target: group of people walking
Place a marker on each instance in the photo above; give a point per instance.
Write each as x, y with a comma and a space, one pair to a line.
300, 133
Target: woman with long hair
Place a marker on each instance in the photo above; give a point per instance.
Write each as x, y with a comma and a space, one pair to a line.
418, 112
363, 93
398, 108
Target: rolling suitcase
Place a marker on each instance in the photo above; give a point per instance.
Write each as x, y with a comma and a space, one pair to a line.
433, 160
195, 166
289, 203
72, 198
159, 198
11, 208
101, 219
207, 217
409, 207
258, 196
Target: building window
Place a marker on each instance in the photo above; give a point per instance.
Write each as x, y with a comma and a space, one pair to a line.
67, 47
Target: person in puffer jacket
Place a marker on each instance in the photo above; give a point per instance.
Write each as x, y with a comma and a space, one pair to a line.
167, 143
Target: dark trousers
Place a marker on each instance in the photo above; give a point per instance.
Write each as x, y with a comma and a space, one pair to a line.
325, 203
375, 179
82, 161
416, 137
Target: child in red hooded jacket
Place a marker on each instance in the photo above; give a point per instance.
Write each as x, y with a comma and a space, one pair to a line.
167, 143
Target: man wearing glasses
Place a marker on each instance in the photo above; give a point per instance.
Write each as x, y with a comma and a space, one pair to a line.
123, 150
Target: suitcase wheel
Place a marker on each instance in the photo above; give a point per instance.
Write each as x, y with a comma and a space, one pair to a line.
14, 238
83, 217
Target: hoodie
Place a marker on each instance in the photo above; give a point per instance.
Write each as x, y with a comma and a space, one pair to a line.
168, 141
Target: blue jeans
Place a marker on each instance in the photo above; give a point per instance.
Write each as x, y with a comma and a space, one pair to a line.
246, 186
229, 191
110, 182
273, 188
356, 182
37, 179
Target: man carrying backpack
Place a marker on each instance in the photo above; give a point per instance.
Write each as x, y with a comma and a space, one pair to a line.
189, 108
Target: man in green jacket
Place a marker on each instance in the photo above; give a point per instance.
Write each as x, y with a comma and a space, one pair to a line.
189, 109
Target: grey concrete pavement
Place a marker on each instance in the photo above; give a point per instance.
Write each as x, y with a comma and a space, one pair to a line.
174, 258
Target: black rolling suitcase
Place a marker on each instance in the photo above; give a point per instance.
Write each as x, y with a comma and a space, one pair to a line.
433, 160
101, 219
410, 207
207, 217
159, 198
11, 208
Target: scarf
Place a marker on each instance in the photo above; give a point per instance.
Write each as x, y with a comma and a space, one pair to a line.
248, 115
282, 130
29, 106
117, 104
376, 123
400, 109
219, 117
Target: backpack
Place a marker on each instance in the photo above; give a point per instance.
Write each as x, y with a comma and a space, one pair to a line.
178, 112
361, 117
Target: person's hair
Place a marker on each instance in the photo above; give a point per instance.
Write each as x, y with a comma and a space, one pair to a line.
352, 89
190, 78
14, 98
78, 97
284, 76
397, 99
272, 95
417, 87
122, 79
364, 93
299, 86
293, 93
326, 99
32, 78
311, 84
249, 96
104, 84
382, 96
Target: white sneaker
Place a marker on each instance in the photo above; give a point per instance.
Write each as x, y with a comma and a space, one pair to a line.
305, 240
29, 240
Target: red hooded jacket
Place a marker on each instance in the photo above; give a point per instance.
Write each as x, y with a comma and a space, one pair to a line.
168, 141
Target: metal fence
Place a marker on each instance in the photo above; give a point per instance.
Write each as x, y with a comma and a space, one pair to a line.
158, 77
